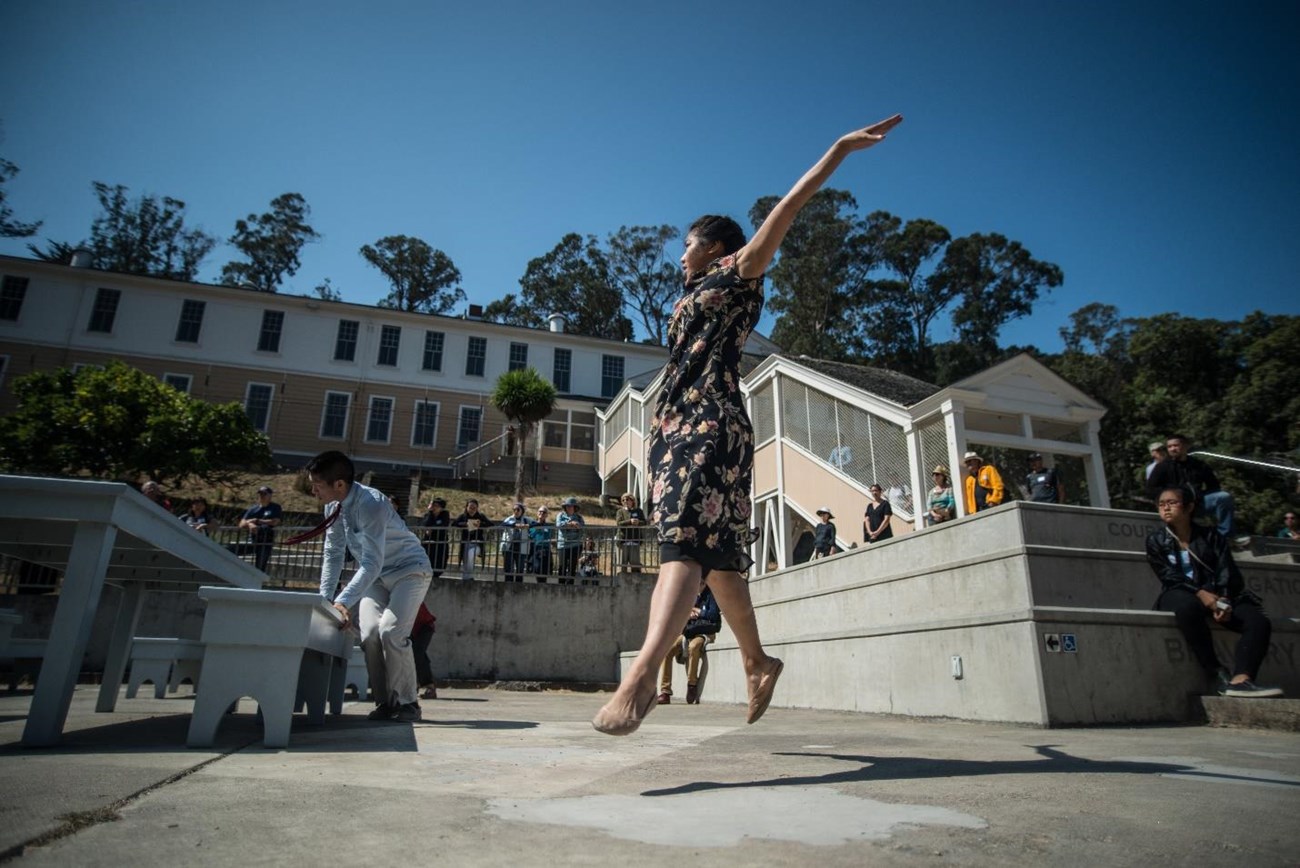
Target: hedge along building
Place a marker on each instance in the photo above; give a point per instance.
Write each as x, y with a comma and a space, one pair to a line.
824, 432
401, 392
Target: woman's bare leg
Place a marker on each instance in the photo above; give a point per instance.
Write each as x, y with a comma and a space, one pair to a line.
670, 607
732, 593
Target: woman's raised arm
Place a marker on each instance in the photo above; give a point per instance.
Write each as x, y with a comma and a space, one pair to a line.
753, 259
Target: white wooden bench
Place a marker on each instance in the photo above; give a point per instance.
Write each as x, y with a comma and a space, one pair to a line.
165, 663
282, 648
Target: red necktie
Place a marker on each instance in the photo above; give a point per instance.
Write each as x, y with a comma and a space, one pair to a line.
318, 530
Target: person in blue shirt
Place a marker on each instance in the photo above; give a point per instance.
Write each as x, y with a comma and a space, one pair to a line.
260, 520
392, 578
515, 543
541, 533
569, 525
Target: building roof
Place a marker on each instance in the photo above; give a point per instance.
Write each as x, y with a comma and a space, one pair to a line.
898, 388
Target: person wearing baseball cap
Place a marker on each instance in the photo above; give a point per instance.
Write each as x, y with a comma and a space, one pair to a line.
261, 520
1043, 483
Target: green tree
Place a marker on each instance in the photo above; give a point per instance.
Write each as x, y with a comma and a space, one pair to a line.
119, 422
55, 251
145, 236
325, 291
271, 242
524, 398
646, 278
424, 280
818, 282
9, 227
574, 280
900, 309
996, 281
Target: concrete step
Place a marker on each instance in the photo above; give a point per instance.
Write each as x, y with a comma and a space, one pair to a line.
1276, 714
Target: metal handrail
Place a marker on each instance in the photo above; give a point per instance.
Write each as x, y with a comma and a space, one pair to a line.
1286, 468
458, 462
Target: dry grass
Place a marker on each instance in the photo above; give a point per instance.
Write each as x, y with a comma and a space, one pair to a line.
243, 492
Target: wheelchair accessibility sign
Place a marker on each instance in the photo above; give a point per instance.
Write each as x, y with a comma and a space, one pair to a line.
1068, 643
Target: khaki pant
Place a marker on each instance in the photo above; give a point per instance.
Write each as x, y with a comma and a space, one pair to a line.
694, 653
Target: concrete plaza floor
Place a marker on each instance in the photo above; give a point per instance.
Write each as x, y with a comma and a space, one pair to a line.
505, 778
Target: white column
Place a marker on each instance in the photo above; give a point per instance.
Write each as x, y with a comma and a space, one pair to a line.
782, 522
912, 435
1094, 470
954, 429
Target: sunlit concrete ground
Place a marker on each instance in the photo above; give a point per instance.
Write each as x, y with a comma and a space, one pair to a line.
507, 778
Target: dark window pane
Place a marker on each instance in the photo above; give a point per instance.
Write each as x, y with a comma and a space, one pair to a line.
390, 339
268, 341
12, 293
563, 367
433, 351
334, 422
345, 347
476, 358
104, 311
191, 321
518, 357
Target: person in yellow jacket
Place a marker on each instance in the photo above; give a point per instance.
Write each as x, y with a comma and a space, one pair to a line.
984, 488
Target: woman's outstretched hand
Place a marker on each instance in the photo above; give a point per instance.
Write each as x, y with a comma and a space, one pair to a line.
867, 136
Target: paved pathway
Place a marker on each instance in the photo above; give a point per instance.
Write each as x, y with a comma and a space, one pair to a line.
517, 779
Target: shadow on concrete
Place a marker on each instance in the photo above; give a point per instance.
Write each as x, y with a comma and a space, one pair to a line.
481, 724
1051, 762
153, 734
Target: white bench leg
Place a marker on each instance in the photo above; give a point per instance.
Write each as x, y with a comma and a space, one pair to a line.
154, 671
182, 669
119, 648
231, 672
314, 685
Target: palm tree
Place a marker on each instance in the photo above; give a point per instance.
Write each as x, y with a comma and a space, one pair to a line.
524, 398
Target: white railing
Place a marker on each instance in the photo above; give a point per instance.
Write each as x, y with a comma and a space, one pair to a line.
468, 462
1285, 468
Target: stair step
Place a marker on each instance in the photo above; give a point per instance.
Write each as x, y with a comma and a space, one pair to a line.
1282, 715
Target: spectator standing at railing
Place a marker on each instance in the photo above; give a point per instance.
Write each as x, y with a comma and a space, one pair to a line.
515, 543
261, 520
1043, 484
824, 534
984, 486
435, 523
198, 517
388, 587
589, 563
876, 524
541, 534
471, 523
941, 503
568, 528
154, 492
1158, 453
630, 519
1290, 530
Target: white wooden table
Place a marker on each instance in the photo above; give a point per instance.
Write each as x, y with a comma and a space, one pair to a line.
100, 533
280, 648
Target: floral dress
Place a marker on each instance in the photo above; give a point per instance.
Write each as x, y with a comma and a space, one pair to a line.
701, 445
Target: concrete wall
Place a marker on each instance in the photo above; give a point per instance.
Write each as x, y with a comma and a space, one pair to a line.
876, 629
486, 630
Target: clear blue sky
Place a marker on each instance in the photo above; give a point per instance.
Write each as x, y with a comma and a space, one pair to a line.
1149, 149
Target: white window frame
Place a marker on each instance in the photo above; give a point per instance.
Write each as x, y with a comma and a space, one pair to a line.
460, 416
188, 378
270, 402
188, 304
424, 354
415, 420
384, 331
482, 361
370, 413
324, 414
510, 356
279, 334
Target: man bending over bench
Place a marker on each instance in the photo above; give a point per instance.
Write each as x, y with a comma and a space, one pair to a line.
391, 580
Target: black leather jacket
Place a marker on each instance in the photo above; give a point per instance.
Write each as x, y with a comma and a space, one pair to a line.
1213, 568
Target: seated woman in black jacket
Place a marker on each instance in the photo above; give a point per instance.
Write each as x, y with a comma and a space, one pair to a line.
1202, 583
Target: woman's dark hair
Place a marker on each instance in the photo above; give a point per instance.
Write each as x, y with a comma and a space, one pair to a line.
712, 227
330, 467
1185, 494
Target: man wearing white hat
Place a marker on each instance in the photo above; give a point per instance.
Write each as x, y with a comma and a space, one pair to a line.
984, 487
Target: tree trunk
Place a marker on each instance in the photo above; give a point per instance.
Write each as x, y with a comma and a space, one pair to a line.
519, 461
